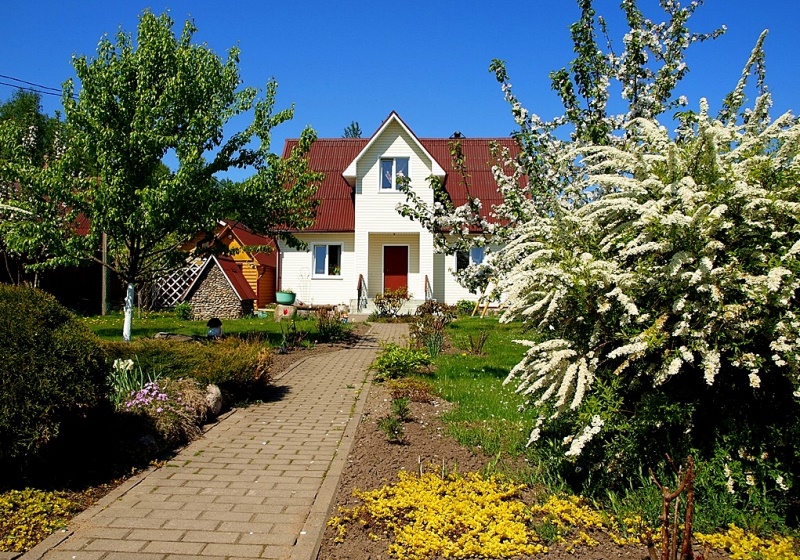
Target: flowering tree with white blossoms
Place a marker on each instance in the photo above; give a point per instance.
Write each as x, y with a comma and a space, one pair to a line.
660, 279
656, 272
540, 180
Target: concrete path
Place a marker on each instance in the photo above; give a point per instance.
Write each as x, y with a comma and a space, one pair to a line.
258, 485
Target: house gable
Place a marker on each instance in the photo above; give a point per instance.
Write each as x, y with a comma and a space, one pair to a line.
351, 169
354, 170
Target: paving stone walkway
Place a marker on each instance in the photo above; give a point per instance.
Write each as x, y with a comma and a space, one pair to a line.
259, 484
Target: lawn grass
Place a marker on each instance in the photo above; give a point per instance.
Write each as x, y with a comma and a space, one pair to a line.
148, 323
488, 415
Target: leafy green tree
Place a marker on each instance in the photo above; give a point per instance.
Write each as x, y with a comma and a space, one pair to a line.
26, 135
353, 130
164, 99
30, 127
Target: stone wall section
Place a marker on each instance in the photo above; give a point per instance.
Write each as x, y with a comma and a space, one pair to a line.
213, 296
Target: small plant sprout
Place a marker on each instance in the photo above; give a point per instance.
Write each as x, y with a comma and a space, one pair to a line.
392, 427
401, 409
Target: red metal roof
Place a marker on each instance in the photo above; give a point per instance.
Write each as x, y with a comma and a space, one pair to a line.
235, 277
82, 225
331, 156
478, 158
336, 212
231, 271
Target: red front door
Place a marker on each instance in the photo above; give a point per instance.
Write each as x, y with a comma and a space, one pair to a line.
395, 267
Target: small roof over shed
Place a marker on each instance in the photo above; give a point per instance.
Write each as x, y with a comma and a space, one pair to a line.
232, 274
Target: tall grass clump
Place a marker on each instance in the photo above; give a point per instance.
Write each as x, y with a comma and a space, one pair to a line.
237, 366
428, 328
395, 361
330, 326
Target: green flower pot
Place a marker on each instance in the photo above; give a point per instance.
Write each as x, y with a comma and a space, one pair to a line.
285, 298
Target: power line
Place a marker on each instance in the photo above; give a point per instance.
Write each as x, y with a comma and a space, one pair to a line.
40, 86
30, 89
34, 87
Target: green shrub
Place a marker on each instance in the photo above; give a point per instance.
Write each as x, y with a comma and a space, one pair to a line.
465, 307
51, 366
389, 302
183, 311
395, 361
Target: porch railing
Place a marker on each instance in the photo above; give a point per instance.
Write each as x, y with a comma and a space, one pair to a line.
428, 289
361, 294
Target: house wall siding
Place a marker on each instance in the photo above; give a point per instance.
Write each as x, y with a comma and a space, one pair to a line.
454, 292
297, 271
266, 286
452, 289
377, 221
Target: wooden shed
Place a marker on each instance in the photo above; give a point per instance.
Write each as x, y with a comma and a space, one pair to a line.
256, 256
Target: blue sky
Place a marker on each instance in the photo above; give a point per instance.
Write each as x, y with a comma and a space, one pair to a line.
358, 60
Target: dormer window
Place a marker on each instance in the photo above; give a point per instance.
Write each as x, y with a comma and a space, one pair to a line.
390, 169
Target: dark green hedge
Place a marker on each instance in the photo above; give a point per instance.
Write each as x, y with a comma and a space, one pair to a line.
51, 366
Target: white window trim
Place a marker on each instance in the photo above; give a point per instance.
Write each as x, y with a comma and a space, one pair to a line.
314, 257
394, 159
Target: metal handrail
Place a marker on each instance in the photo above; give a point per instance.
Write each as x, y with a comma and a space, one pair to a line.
361, 292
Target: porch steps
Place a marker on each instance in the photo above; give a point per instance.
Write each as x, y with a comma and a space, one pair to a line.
409, 307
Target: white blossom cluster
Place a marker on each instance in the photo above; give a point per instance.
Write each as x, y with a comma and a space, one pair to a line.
670, 267
631, 249
577, 444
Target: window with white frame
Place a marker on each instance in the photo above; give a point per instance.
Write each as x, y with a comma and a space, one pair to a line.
390, 169
328, 260
464, 258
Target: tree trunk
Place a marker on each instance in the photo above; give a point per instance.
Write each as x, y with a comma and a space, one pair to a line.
126, 326
105, 300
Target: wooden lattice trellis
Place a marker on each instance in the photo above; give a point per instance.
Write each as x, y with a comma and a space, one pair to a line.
168, 290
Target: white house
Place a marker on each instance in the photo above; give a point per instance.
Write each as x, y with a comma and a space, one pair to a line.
360, 245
